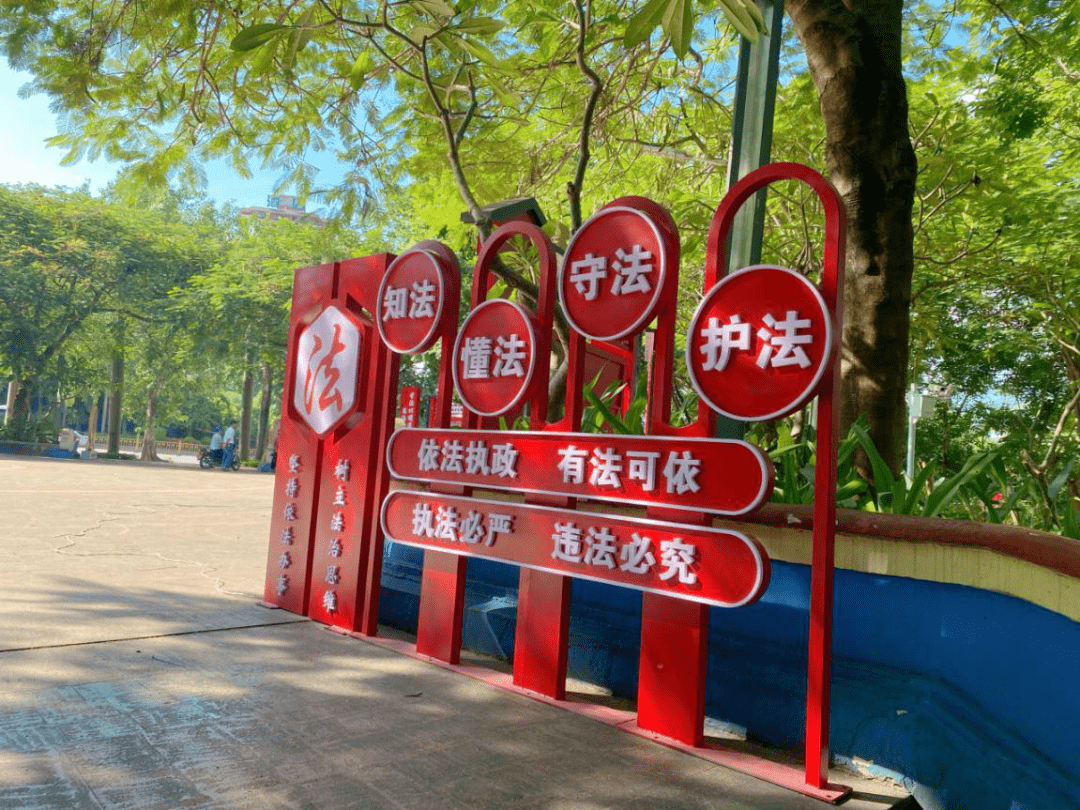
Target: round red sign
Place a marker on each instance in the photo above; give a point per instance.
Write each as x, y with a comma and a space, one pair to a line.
411, 302
759, 343
495, 357
612, 274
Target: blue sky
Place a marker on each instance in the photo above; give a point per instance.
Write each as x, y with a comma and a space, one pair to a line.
24, 158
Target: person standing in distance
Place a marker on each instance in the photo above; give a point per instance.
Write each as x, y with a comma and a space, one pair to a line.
215, 445
229, 442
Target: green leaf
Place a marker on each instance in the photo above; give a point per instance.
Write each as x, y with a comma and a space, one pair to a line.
948, 489
359, 70
301, 36
436, 8
642, 24
739, 16
606, 413
1061, 479
883, 477
423, 31
256, 36
479, 51
679, 25
918, 484
479, 25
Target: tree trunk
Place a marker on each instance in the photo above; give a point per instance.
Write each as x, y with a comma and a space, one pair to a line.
264, 409
116, 400
245, 413
149, 442
20, 411
12, 398
853, 53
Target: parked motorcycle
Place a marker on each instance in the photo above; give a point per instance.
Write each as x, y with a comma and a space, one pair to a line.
207, 460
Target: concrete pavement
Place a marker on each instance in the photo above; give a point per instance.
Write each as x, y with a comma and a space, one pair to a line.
137, 672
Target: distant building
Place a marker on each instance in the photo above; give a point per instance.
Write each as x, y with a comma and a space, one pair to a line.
282, 206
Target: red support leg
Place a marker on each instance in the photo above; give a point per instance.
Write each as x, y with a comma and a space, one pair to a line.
542, 633
442, 606
671, 670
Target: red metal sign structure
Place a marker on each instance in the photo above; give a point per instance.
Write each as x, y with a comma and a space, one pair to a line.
722, 568
413, 302
495, 358
613, 273
724, 477
633, 511
759, 343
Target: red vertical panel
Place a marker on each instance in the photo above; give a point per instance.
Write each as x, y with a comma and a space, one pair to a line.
442, 584
671, 672
541, 635
296, 484
819, 664
442, 603
351, 486
367, 613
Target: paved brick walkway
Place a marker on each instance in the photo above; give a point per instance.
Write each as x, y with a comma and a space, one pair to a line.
137, 672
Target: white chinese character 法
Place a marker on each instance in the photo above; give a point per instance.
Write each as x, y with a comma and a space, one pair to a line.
788, 344
632, 270
602, 548
453, 456
476, 358
606, 465
337, 522
585, 275
677, 556
287, 536
446, 523
422, 299
509, 352
395, 303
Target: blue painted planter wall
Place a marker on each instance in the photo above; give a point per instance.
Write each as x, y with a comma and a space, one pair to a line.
973, 696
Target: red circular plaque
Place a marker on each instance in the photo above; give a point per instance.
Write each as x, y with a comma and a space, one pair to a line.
759, 343
612, 274
412, 298
495, 357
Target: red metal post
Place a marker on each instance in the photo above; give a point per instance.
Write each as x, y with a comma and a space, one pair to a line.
354, 479
292, 522
821, 577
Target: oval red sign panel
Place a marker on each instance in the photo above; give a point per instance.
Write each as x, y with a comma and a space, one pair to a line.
412, 297
495, 357
759, 343
612, 274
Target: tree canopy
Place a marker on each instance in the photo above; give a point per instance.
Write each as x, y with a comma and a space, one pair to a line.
952, 132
